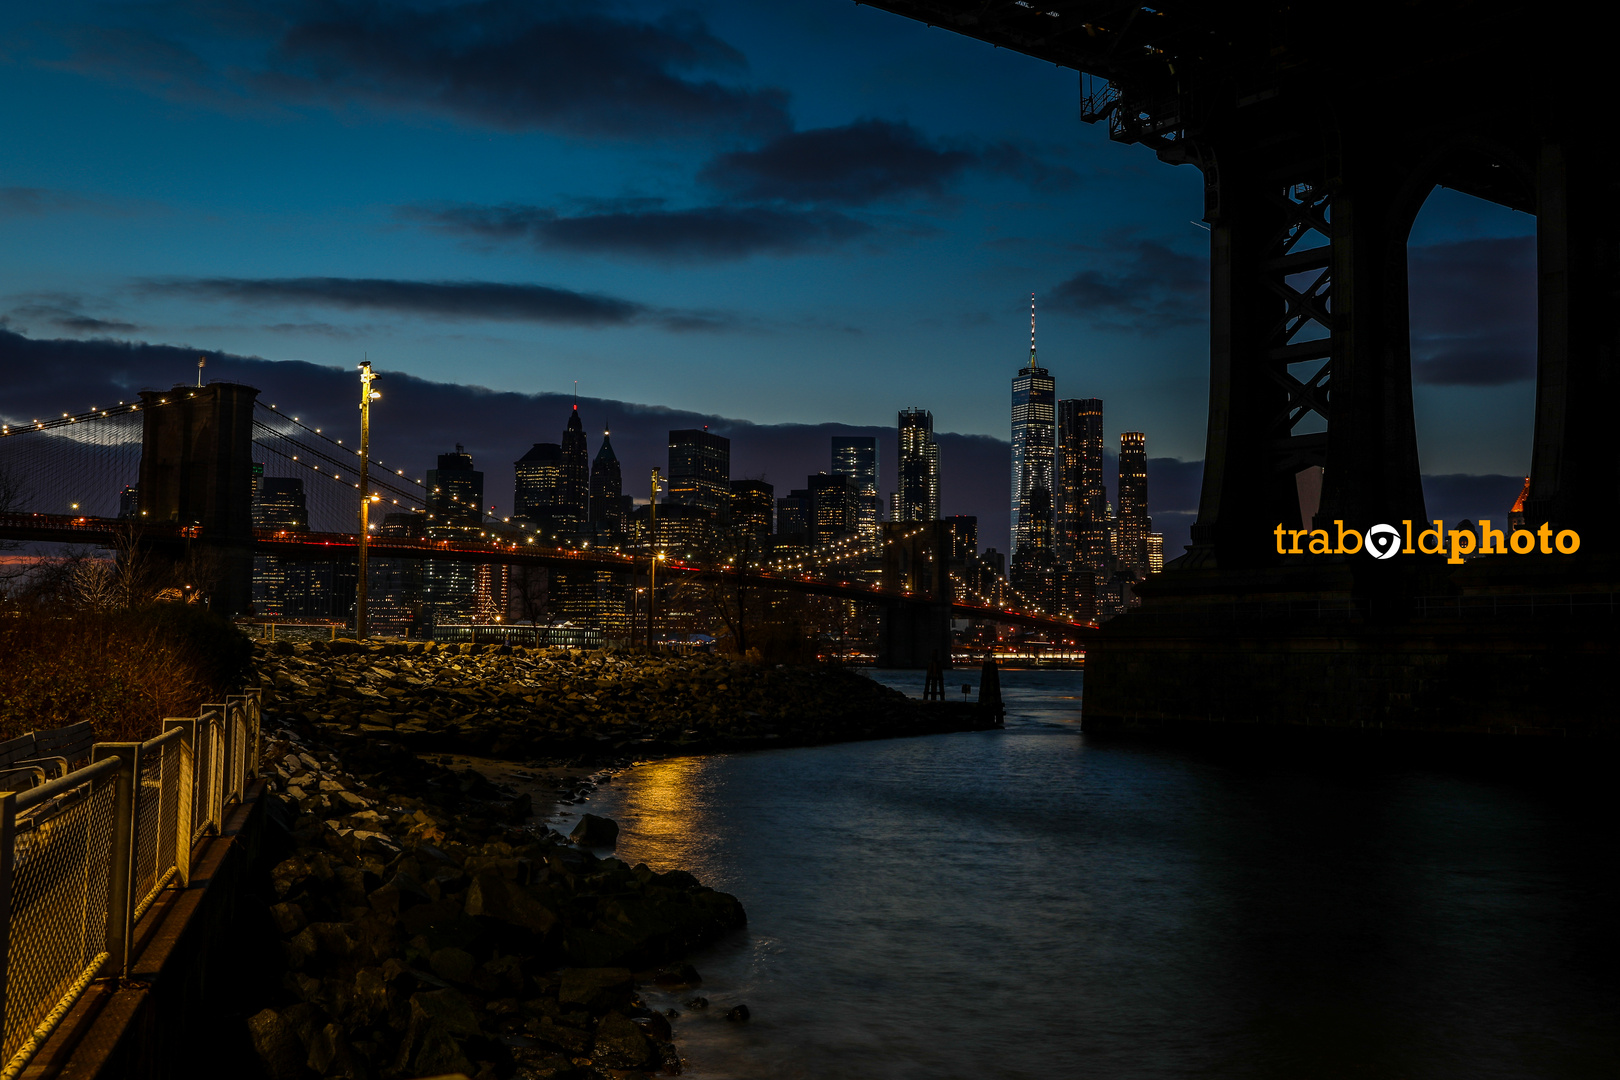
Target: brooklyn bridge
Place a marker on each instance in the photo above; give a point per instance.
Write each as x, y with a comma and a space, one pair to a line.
190, 455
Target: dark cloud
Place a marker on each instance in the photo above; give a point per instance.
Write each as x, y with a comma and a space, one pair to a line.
67, 316
853, 165
512, 64
865, 162
1143, 286
445, 299
1474, 312
644, 229
37, 202
419, 418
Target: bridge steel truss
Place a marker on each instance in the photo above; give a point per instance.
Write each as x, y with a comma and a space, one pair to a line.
1320, 129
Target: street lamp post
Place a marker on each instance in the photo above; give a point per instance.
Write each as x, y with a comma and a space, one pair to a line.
652, 556
367, 396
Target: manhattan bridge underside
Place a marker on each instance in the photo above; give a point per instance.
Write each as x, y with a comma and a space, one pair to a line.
1320, 129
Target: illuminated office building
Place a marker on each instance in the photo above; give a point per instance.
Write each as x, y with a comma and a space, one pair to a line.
856, 456
916, 496
700, 470
573, 479
1134, 523
607, 487
1034, 399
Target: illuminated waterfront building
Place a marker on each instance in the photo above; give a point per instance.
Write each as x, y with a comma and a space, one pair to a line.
752, 502
1155, 552
455, 496
916, 497
832, 509
1034, 398
278, 504
856, 456
1134, 523
538, 474
1081, 501
700, 470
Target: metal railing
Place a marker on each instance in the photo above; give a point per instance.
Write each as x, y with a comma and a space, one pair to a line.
83, 857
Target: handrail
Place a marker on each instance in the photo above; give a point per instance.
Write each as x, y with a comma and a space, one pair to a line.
125, 833
158, 740
27, 800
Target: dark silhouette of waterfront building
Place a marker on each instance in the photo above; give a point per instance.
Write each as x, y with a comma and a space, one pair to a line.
573, 482
856, 456
963, 537
129, 501
607, 487
700, 470
793, 519
1034, 399
752, 502
916, 497
1134, 523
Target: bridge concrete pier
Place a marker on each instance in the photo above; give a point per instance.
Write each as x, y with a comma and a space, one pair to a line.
915, 632
197, 470
1507, 645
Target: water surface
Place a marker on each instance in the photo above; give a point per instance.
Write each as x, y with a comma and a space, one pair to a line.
1031, 903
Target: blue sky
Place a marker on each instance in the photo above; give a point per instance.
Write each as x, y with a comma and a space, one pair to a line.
786, 212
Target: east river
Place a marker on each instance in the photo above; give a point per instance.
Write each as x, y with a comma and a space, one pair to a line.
1031, 903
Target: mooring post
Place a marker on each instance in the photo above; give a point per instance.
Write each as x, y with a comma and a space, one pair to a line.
990, 690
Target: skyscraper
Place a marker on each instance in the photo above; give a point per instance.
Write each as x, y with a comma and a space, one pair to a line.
607, 485
700, 469
833, 511
916, 496
1034, 396
1080, 499
856, 456
1134, 523
455, 511
573, 484
752, 502
538, 476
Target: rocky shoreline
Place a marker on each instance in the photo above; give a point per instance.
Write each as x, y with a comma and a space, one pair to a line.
426, 924
424, 929
560, 706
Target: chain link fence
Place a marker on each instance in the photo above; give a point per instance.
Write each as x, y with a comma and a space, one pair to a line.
84, 856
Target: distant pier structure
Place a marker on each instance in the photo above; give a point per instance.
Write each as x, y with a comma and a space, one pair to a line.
1319, 133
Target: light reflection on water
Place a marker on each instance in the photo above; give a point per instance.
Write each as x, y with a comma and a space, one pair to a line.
1021, 904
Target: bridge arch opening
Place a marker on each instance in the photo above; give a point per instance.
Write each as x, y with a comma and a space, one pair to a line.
1472, 292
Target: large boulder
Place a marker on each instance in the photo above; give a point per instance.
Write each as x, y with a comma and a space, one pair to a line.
595, 832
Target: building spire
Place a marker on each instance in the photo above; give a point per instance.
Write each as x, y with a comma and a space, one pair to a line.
1031, 330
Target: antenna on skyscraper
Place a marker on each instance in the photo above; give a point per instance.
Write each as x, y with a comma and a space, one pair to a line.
1031, 329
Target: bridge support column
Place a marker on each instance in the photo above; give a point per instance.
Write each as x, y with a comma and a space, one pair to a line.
1575, 465
1310, 363
197, 470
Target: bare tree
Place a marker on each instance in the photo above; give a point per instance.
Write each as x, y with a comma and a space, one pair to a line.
527, 593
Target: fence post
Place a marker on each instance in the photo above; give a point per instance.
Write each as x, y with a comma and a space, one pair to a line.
121, 859
219, 761
256, 699
187, 797
8, 854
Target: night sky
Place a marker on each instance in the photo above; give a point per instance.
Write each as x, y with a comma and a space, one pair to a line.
794, 212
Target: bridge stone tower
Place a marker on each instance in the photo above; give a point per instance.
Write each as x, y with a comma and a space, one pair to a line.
197, 470
916, 559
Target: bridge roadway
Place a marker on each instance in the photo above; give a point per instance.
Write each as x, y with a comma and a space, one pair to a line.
62, 528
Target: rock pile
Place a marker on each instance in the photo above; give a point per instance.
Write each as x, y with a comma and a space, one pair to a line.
562, 705
424, 930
